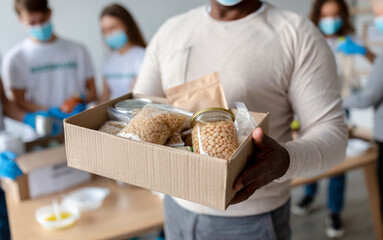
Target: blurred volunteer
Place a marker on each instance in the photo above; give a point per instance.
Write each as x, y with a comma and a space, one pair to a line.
333, 19
8, 166
274, 61
44, 70
372, 96
122, 65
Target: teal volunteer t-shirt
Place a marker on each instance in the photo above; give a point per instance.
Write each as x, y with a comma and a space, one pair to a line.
49, 72
120, 70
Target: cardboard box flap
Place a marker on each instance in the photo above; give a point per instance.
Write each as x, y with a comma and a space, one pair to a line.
94, 119
190, 176
240, 158
171, 171
35, 160
100, 117
262, 120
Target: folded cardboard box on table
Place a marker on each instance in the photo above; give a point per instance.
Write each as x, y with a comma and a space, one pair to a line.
44, 172
190, 176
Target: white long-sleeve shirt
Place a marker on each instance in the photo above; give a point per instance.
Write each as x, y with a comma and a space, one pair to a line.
272, 60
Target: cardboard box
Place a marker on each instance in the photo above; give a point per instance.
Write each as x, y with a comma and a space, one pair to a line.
45, 172
201, 179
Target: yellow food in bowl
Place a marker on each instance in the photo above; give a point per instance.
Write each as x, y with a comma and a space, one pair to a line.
63, 215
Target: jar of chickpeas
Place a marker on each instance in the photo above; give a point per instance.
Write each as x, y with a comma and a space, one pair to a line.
214, 133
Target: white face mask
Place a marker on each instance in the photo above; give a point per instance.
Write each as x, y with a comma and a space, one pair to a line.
229, 2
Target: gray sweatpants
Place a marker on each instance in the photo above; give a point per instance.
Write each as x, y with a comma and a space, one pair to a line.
181, 224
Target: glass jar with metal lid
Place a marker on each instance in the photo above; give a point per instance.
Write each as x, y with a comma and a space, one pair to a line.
214, 133
132, 106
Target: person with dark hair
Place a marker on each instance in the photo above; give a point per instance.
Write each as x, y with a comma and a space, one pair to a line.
274, 61
45, 70
372, 96
333, 20
123, 37
8, 166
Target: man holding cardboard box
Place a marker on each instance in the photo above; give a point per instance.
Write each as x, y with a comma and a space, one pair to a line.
273, 61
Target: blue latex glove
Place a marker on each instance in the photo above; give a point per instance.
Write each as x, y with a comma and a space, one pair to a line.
56, 112
30, 118
348, 47
8, 166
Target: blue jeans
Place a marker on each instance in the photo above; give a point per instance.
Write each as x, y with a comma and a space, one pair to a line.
181, 224
336, 191
4, 225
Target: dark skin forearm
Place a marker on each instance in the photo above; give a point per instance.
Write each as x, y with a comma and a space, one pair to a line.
10, 109
105, 93
19, 99
370, 56
91, 94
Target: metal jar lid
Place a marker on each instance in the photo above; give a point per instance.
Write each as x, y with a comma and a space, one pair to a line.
128, 105
209, 110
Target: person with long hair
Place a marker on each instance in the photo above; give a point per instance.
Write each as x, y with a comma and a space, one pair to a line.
122, 64
372, 96
332, 17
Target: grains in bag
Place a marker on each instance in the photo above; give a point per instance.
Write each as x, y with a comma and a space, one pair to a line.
112, 127
175, 140
154, 124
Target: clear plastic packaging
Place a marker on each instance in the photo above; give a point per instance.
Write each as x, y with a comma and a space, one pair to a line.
112, 127
244, 122
132, 106
155, 123
214, 133
116, 115
175, 140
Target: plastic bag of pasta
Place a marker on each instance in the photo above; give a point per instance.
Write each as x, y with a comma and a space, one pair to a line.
156, 123
112, 127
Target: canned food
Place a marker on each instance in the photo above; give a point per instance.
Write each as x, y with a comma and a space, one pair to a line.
131, 105
44, 126
214, 133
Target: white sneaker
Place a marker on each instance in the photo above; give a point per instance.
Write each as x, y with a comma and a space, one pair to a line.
334, 227
304, 207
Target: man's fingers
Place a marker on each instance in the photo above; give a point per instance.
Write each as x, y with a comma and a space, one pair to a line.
261, 140
248, 190
248, 176
244, 194
258, 137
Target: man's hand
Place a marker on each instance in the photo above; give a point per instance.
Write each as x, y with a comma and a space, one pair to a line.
269, 162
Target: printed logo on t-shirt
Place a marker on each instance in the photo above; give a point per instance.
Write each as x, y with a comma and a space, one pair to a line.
53, 67
120, 75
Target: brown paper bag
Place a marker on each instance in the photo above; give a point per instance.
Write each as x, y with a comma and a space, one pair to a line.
198, 94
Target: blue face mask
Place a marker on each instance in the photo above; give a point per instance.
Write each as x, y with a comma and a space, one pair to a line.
330, 26
42, 32
379, 24
117, 40
229, 2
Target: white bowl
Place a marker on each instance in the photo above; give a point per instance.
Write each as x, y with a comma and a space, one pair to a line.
86, 199
45, 212
357, 147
